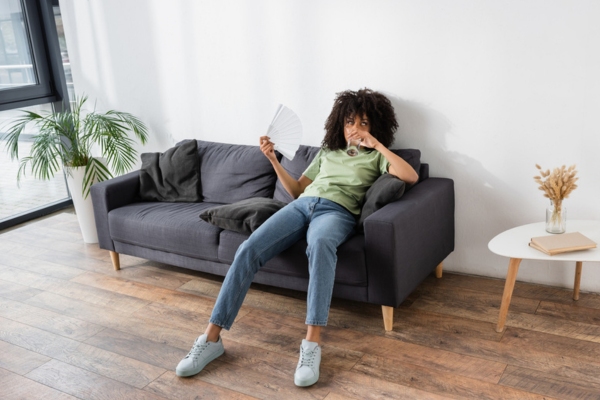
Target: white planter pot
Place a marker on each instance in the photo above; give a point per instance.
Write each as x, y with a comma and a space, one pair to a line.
83, 207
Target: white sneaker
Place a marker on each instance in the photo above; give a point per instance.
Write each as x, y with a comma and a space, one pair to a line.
307, 371
200, 355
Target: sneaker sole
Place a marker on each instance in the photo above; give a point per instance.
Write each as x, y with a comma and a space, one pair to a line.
184, 374
305, 383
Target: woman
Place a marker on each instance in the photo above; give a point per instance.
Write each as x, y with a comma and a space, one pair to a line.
329, 196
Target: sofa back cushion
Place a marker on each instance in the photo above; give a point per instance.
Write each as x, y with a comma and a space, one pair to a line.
411, 156
305, 155
172, 176
233, 172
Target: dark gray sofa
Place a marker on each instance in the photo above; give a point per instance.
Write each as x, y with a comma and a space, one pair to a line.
402, 242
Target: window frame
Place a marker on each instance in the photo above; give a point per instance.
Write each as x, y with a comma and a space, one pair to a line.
51, 86
52, 61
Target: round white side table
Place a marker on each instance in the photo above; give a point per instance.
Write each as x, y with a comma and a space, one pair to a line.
514, 244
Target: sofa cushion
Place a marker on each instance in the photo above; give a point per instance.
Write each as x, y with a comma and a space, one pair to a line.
351, 267
244, 216
171, 176
387, 188
232, 172
168, 227
295, 168
411, 156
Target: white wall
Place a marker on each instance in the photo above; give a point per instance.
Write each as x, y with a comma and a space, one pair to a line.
485, 88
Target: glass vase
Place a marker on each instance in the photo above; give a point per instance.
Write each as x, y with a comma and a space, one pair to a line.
556, 218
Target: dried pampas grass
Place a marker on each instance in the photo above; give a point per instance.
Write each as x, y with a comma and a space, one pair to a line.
557, 185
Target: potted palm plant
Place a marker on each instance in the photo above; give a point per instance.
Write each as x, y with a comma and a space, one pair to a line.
65, 141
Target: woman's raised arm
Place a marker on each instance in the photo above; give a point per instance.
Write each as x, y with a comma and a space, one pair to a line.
294, 187
398, 167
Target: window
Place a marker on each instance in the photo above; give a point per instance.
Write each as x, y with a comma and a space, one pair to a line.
30, 194
16, 63
28, 75
32, 55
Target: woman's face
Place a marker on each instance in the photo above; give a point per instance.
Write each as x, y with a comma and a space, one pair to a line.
355, 123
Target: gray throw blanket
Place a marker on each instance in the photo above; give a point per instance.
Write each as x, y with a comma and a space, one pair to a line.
172, 176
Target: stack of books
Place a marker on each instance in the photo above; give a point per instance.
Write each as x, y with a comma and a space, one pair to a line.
563, 243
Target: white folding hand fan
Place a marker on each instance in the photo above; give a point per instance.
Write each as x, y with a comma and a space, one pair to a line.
285, 132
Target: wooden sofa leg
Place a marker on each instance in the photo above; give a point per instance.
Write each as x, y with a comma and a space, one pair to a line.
114, 257
388, 317
438, 270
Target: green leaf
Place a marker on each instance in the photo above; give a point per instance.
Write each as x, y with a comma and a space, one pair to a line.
95, 171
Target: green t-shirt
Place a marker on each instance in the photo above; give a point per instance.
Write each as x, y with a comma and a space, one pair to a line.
343, 179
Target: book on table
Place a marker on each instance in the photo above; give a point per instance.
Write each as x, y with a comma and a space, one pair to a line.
563, 243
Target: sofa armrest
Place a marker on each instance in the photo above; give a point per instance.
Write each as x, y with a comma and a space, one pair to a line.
107, 196
407, 239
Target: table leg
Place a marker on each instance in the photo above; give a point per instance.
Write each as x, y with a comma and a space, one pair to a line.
509, 285
578, 266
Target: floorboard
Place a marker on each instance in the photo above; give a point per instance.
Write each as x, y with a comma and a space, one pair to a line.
15, 386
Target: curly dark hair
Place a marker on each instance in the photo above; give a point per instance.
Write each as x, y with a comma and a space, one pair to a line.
374, 105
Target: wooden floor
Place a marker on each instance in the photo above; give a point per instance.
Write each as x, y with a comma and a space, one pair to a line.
71, 327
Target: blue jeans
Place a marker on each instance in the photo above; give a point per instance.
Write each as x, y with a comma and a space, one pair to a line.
325, 225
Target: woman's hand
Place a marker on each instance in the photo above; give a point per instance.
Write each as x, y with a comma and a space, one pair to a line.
267, 148
365, 137
357, 129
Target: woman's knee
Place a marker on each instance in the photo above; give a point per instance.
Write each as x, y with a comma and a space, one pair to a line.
246, 254
321, 246
323, 241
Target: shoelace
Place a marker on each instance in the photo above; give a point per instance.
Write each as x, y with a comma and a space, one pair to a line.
307, 358
197, 349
